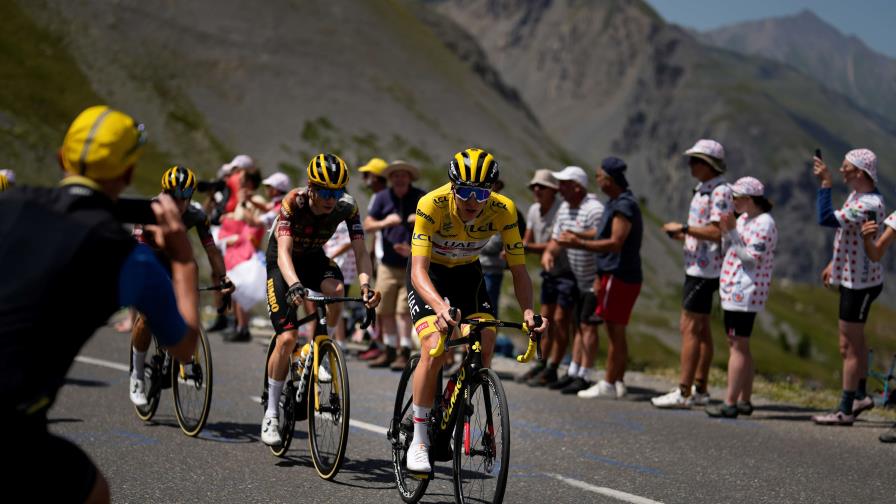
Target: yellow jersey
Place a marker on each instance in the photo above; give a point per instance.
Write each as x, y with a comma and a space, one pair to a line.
440, 234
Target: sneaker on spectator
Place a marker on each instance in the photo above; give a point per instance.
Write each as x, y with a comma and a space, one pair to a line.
371, 353
561, 383
722, 411
621, 391
673, 400
602, 389
861, 405
744, 408
384, 360
575, 386
698, 398
836, 418
546, 378
889, 436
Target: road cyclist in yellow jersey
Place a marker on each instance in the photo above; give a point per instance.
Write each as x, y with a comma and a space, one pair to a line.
454, 222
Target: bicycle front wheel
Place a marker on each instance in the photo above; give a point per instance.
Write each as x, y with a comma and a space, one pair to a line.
286, 405
328, 410
152, 379
482, 442
401, 433
192, 384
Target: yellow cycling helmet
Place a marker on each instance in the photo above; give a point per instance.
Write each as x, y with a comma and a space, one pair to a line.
179, 182
102, 143
328, 170
473, 167
4, 182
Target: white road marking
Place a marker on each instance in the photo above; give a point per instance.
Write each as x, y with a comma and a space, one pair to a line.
609, 492
103, 363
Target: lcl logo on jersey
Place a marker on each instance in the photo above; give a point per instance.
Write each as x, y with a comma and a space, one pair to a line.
482, 228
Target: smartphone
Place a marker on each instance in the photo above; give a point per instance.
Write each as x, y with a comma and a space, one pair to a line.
870, 216
135, 211
818, 153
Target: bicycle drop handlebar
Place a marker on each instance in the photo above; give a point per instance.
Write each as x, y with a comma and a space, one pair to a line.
369, 315
225, 304
534, 346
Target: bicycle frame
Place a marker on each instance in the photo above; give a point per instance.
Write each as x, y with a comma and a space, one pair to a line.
885, 379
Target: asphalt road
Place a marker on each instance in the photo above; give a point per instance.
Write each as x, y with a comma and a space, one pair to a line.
564, 449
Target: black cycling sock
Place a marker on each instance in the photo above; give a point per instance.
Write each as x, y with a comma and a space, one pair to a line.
860, 392
701, 386
846, 401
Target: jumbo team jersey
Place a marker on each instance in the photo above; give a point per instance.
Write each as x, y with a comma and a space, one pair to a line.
440, 234
308, 230
749, 261
851, 268
712, 199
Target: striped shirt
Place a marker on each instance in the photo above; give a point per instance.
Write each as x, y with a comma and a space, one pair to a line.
585, 217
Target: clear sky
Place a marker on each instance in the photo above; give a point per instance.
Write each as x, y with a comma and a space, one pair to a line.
873, 21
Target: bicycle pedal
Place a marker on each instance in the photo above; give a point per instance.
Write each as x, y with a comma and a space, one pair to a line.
420, 476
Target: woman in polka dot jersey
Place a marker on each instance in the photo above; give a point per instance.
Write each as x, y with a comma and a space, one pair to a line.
859, 278
750, 242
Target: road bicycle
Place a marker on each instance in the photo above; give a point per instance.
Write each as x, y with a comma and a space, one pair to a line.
887, 395
469, 423
191, 382
316, 389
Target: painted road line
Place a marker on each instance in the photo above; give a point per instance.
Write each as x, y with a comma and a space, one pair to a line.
608, 492
376, 429
103, 363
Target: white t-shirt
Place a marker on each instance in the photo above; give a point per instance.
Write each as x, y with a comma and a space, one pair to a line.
712, 199
851, 267
346, 261
586, 216
749, 260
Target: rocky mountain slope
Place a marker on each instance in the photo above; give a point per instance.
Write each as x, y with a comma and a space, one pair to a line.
806, 42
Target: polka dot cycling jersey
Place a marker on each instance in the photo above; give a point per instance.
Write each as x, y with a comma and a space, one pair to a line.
712, 199
749, 261
850, 267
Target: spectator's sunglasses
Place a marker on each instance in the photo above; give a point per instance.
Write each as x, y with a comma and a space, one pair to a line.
325, 193
466, 192
181, 194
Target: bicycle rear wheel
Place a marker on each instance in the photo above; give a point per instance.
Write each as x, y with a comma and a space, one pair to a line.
153, 375
482, 442
286, 405
192, 384
328, 410
401, 433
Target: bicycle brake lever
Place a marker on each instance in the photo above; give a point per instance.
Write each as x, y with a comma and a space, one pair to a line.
443, 336
369, 319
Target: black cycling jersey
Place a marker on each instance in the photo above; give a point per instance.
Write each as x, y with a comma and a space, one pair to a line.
310, 231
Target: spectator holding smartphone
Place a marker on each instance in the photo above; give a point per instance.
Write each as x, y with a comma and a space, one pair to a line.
750, 242
875, 250
859, 278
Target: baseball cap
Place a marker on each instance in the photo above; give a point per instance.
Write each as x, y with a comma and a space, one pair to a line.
374, 166
710, 151
102, 143
864, 160
573, 173
279, 181
545, 178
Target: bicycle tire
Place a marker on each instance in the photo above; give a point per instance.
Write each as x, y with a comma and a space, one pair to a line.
193, 394
410, 488
328, 445
286, 406
153, 374
474, 453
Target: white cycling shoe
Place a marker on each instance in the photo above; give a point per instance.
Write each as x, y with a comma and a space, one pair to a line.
138, 392
270, 431
418, 458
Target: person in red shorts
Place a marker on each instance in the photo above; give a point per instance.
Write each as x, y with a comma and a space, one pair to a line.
619, 277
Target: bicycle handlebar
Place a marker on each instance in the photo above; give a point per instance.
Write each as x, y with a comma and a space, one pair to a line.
534, 337
225, 300
369, 315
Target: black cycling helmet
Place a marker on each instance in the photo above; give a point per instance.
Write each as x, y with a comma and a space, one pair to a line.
473, 167
328, 170
179, 182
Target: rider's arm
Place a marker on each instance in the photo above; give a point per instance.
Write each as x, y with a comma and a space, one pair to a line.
421, 250
522, 287
284, 259
423, 284
216, 261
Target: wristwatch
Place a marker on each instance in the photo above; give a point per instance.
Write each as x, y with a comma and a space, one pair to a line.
684, 229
